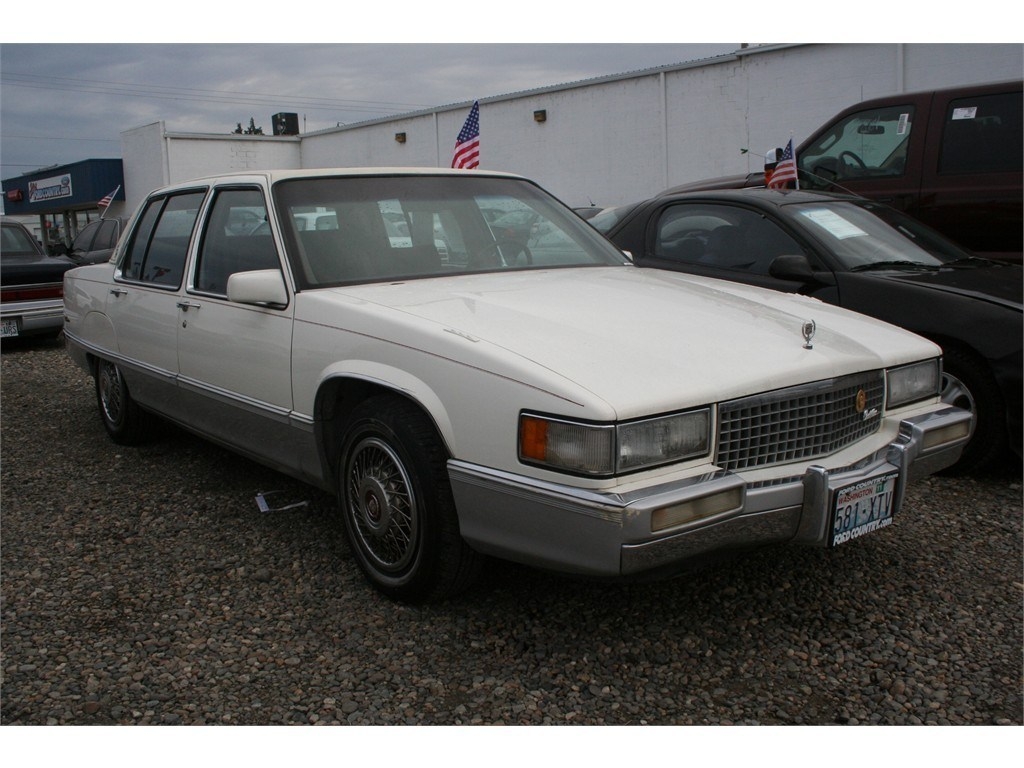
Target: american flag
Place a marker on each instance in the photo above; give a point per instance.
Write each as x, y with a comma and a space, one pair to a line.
105, 201
467, 145
785, 171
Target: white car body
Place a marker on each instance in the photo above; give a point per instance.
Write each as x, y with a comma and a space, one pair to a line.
270, 366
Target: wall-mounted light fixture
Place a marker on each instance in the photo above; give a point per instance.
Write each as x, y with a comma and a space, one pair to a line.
540, 115
400, 138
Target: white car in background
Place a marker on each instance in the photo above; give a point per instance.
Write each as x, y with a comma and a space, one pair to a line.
562, 408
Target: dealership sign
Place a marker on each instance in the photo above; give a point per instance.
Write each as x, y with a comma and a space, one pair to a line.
49, 189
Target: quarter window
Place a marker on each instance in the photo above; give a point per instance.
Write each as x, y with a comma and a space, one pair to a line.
159, 243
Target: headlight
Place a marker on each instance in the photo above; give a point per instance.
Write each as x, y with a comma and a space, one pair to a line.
658, 441
912, 382
606, 449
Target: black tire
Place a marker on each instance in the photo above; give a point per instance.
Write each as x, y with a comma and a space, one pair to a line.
968, 384
125, 422
397, 506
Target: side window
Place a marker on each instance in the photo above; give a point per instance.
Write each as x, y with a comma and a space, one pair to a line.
721, 236
159, 244
107, 235
869, 144
983, 134
237, 239
83, 240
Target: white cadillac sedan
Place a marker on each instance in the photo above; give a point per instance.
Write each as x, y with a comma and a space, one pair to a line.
522, 392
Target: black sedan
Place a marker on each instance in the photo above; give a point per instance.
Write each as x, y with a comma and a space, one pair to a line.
31, 285
863, 256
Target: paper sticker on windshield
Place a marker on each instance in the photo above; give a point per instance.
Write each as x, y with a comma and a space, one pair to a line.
902, 124
965, 113
833, 223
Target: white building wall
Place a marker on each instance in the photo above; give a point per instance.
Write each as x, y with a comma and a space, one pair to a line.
593, 138
145, 165
621, 138
758, 100
375, 145
190, 157
153, 158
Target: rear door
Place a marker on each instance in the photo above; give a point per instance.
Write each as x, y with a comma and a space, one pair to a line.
143, 303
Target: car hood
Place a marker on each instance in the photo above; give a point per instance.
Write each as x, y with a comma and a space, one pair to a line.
998, 283
640, 340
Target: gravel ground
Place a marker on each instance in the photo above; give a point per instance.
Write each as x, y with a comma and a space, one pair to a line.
142, 585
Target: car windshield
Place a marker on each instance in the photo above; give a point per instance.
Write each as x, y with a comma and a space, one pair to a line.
866, 236
604, 221
343, 230
17, 242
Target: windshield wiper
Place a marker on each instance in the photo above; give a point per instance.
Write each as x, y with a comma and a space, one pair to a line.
891, 264
965, 261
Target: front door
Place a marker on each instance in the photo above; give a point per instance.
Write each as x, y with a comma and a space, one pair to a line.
234, 359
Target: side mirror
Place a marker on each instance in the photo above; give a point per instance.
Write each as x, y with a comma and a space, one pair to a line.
263, 287
793, 266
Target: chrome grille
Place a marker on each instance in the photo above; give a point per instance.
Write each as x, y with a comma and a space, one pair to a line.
800, 422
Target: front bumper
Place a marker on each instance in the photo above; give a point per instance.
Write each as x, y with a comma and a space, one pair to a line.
604, 534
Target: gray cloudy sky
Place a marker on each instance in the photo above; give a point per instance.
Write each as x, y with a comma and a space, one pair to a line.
61, 103
62, 100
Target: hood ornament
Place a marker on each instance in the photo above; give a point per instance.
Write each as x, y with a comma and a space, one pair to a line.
808, 331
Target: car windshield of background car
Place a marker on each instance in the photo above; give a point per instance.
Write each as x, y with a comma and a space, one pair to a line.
606, 220
406, 227
17, 242
872, 143
860, 239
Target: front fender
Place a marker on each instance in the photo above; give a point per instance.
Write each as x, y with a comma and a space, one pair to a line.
375, 377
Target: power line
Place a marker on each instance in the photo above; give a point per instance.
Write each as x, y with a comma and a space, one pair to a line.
57, 138
178, 93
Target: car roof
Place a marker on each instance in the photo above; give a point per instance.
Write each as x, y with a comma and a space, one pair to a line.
762, 196
275, 175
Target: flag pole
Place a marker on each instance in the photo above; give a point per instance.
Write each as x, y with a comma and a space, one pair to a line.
105, 202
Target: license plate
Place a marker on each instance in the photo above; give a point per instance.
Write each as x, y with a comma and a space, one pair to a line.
863, 507
8, 328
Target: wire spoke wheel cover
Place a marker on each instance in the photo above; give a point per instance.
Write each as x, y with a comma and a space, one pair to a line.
396, 503
382, 505
124, 421
111, 390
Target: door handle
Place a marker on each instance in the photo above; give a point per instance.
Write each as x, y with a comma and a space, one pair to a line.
187, 305
119, 291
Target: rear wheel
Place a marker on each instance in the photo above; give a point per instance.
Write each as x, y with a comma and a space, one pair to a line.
397, 505
124, 421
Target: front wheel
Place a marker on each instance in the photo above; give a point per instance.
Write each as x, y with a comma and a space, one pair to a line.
397, 505
124, 421
967, 384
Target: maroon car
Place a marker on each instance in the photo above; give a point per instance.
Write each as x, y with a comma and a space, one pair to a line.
950, 158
